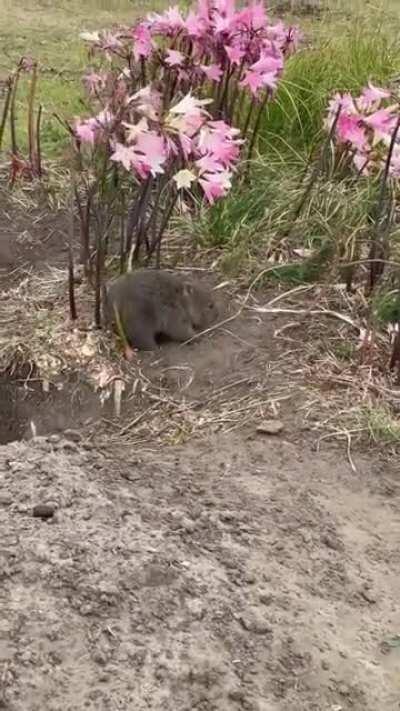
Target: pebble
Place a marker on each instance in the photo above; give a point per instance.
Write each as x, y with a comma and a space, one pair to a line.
236, 695
43, 511
253, 622
270, 427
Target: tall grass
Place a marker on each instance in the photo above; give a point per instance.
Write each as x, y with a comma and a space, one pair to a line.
342, 60
342, 56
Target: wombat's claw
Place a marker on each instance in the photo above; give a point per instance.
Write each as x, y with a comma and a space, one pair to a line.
129, 353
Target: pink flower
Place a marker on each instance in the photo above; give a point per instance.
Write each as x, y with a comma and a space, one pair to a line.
124, 155
147, 101
235, 53
215, 185
253, 80
268, 64
150, 152
350, 129
95, 82
142, 44
146, 156
188, 115
212, 71
86, 130
382, 121
371, 96
174, 58
224, 128
345, 101
208, 164
195, 25
221, 148
346, 104
166, 23
252, 17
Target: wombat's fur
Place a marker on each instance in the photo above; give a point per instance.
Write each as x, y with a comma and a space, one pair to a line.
151, 304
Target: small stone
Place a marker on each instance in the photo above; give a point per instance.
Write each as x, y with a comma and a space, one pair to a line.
331, 542
43, 511
265, 597
5, 499
253, 622
270, 427
236, 695
325, 665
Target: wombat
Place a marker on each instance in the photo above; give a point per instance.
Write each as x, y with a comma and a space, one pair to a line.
152, 304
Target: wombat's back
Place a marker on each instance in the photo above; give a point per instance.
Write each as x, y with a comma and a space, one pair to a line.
149, 304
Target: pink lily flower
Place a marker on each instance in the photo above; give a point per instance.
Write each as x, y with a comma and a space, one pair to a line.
212, 71
174, 58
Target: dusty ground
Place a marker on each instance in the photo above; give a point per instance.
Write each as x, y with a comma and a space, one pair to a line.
224, 574
234, 570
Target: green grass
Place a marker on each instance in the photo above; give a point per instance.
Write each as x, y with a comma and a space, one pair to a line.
381, 424
345, 49
345, 62
49, 32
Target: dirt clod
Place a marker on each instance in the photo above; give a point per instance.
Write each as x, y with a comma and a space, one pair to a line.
43, 511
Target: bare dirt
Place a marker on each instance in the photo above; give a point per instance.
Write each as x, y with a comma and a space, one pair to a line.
234, 570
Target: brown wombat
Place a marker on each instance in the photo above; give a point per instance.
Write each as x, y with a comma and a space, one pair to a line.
153, 304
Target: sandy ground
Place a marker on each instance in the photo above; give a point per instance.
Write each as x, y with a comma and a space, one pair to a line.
224, 574
235, 571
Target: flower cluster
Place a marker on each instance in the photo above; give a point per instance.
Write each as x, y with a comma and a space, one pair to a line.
149, 115
212, 43
181, 142
364, 127
173, 99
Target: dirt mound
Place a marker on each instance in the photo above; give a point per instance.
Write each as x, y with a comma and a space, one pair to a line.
227, 574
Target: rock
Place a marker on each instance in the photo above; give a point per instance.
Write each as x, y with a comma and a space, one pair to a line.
270, 427
252, 621
331, 542
236, 695
43, 511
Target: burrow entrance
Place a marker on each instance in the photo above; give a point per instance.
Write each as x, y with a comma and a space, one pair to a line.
27, 410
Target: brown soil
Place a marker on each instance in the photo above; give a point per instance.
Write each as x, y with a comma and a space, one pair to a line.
238, 570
